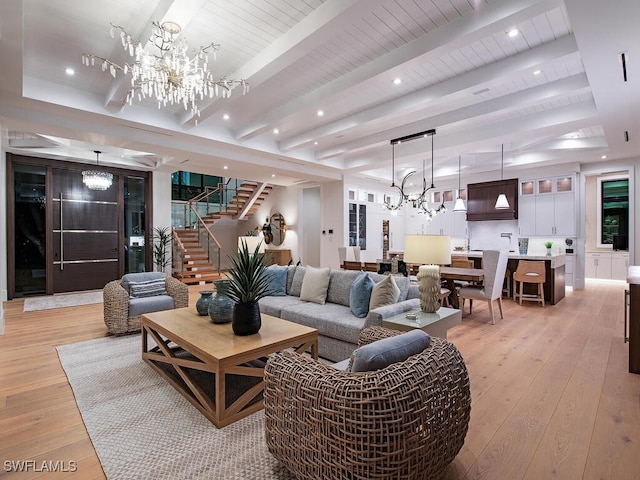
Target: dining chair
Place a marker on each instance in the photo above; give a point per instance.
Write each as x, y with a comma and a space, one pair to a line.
494, 264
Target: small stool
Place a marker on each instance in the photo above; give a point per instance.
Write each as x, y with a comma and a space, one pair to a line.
444, 297
529, 272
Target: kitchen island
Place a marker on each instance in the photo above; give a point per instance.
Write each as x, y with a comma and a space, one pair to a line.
554, 269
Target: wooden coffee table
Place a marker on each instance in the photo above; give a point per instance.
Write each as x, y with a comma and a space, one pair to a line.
220, 373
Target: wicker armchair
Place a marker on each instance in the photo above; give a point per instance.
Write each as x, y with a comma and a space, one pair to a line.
408, 420
116, 304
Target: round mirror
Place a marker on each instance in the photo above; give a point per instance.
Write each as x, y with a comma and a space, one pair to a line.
278, 228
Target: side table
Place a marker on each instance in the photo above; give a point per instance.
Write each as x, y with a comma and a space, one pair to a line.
435, 324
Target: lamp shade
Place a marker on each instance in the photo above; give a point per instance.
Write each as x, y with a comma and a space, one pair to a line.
427, 249
502, 202
252, 243
459, 206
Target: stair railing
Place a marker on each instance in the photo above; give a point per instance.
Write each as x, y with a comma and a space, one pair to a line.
209, 239
178, 252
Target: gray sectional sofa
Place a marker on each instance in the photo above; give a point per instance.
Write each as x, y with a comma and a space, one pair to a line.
338, 328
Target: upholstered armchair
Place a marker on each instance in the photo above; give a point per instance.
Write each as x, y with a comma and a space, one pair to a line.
127, 299
407, 420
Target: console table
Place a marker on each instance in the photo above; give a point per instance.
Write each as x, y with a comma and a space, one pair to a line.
279, 256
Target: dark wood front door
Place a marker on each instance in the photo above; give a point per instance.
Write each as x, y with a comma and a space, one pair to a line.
85, 234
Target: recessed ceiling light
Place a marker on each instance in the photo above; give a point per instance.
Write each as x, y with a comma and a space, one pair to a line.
320, 113
537, 72
225, 167
273, 175
603, 157
315, 143
69, 71
397, 81
513, 32
225, 116
276, 131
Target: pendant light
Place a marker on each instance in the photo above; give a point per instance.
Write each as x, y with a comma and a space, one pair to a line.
459, 205
97, 179
502, 203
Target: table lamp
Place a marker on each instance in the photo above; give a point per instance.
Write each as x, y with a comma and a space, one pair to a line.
430, 251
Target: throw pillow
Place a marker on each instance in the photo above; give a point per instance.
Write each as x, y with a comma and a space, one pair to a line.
277, 280
296, 281
315, 284
149, 288
385, 292
360, 295
382, 353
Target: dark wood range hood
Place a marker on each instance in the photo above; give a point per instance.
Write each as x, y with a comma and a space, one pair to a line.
481, 200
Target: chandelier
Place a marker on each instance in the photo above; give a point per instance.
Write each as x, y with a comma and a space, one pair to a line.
95, 179
418, 200
168, 74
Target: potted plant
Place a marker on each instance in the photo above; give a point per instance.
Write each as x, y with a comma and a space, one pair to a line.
548, 245
162, 237
248, 283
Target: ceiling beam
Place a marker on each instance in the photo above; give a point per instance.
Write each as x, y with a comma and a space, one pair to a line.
460, 32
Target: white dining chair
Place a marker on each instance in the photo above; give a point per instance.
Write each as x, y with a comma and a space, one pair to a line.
494, 264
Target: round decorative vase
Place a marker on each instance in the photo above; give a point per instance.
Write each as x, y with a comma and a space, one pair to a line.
246, 318
202, 305
221, 306
429, 287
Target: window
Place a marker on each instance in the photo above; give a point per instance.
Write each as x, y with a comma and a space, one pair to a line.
358, 225
186, 185
613, 212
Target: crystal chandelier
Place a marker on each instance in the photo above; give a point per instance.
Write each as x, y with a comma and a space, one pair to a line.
95, 179
168, 74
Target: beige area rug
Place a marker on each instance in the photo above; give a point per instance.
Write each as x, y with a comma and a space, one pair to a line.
61, 301
141, 427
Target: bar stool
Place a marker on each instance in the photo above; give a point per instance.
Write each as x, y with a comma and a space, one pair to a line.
529, 272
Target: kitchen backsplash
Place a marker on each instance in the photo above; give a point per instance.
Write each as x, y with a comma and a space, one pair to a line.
503, 235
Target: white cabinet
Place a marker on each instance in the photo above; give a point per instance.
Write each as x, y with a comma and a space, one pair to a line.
606, 265
597, 265
555, 214
619, 266
569, 263
546, 207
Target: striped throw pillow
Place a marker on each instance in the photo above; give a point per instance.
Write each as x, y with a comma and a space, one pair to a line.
149, 288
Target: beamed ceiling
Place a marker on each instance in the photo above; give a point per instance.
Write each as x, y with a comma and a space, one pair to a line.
553, 94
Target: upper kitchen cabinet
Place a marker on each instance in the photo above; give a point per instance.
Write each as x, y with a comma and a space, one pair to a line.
547, 207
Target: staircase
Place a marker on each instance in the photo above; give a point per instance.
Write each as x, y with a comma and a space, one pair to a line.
196, 267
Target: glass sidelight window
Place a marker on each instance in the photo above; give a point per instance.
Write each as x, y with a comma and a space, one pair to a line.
134, 224
30, 229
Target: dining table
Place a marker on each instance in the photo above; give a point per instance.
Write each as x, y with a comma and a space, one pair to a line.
451, 274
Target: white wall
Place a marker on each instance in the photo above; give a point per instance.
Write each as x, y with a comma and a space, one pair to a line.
309, 235
334, 216
161, 198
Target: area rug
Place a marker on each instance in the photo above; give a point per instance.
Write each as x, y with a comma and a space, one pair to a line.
61, 301
141, 427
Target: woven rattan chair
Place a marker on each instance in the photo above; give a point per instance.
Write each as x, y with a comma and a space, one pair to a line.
407, 420
116, 305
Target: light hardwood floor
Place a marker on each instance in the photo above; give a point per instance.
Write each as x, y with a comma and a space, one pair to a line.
551, 395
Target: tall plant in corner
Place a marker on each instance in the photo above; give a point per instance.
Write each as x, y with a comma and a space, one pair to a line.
162, 238
248, 283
